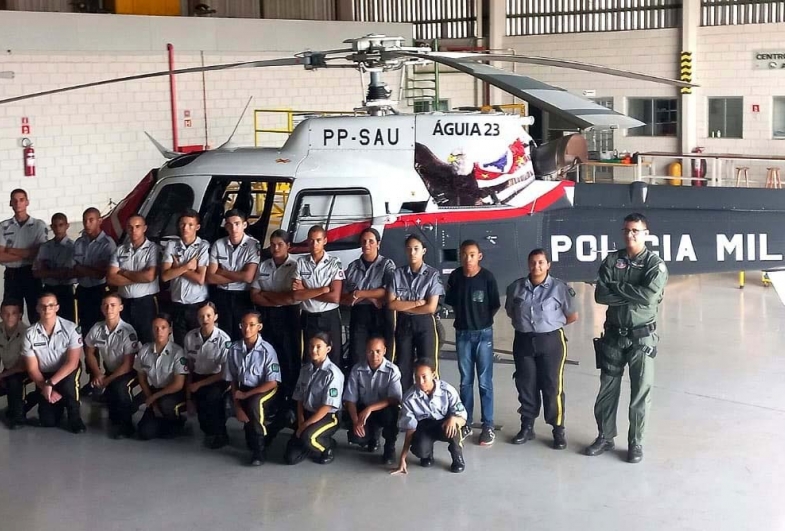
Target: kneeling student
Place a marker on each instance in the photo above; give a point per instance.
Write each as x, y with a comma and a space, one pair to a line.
318, 396
372, 397
161, 367
114, 341
252, 368
206, 347
13, 375
432, 411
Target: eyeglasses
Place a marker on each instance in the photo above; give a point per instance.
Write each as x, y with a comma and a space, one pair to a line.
634, 232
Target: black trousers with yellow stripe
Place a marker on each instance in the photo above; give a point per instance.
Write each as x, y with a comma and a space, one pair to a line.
259, 408
120, 399
139, 312
209, 400
50, 414
539, 371
315, 439
415, 338
172, 408
428, 432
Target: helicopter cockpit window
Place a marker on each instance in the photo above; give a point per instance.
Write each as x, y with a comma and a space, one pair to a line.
172, 199
340, 212
262, 200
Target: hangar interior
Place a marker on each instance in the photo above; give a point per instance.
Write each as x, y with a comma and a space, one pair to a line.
717, 417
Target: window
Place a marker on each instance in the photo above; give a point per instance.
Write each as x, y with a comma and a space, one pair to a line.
162, 217
262, 200
427, 106
334, 210
661, 116
778, 118
726, 117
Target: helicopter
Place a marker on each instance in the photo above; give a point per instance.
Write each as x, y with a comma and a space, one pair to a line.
450, 176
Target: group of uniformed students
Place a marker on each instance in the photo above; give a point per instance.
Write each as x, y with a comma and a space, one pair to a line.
268, 336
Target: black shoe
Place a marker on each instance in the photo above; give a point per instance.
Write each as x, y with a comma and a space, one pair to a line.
257, 458
559, 440
372, 445
327, 457
426, 462
218, 441
77, 426
388, 457
526, 434
635, 453
599, 446
16, 424
487, 436
458, 464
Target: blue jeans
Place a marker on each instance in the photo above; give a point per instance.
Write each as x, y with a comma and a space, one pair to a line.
475, 347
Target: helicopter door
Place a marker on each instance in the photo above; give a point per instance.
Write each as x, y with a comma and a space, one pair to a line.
167, 200
262, 199
343, 212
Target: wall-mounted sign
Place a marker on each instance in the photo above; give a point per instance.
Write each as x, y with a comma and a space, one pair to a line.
769, 59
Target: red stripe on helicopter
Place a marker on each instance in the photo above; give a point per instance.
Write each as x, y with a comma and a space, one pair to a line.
540, 204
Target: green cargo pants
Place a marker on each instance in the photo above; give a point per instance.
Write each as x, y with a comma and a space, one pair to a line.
614, 352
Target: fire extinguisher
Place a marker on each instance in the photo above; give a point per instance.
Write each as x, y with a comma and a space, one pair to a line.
699, 168
28, 155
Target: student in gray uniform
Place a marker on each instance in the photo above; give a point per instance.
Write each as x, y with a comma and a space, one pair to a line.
20, 238
161, 367
52, 348
432, 411
134, 271
414, 293
54, 266
474, 296
372, 399
93, 251
318, 284
318, 396
206, 347
252, 368
234, 261
540, 306
272, 294
184, 265
14, 375
364, 291
115, 342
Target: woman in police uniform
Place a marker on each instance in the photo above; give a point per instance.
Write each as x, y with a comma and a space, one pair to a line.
414, 293
272, 295
205, 348
364, 291
318, 394
539, 306
161, 367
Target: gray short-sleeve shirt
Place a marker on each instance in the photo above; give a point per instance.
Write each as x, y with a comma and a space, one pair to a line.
51, 350
130, 259
183, 290
13, 235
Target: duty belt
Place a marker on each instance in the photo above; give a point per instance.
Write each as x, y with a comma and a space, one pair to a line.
636, 332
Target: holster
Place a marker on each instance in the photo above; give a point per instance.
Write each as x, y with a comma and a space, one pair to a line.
598, 351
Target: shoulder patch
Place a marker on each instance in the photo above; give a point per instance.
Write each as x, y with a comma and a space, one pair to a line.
275, 367
333, 392
183, 361
459, 407
78, 329
228, 344
132, 337
571, 291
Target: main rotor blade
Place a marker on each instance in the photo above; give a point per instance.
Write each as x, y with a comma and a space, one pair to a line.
562, 63
286, 61
583, 113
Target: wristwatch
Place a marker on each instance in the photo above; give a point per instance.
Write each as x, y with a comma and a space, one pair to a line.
49, 383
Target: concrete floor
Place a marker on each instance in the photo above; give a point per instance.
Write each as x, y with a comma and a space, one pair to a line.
712, 453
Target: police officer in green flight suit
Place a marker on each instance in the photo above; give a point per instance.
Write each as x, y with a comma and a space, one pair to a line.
631, 283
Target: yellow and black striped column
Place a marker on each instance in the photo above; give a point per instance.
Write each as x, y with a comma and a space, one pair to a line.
686, 71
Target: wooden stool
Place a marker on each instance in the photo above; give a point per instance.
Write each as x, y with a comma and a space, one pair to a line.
773, 178
745, 170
